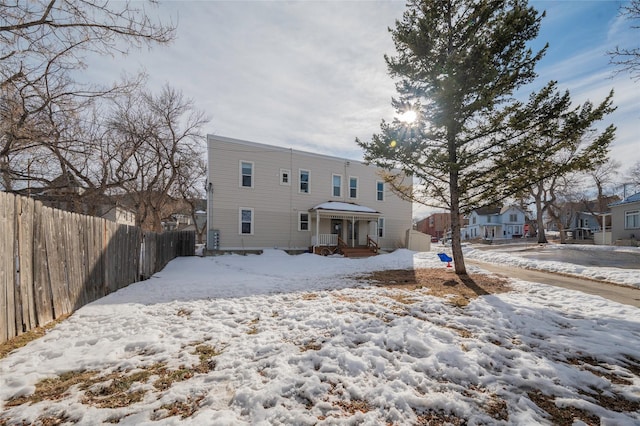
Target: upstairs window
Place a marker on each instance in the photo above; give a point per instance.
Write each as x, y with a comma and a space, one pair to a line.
380, 190
353, 187
285, 177
513, 217
246, 174
304, 181
337, 186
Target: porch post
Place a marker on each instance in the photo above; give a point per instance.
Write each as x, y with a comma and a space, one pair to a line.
317, 229
353, 231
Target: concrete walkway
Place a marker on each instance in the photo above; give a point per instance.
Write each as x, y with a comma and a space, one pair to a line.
617, 293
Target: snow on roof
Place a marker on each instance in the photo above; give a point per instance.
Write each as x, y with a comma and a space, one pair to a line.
342, 206
631, 199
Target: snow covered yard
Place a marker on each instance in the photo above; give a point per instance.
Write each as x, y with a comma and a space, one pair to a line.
278, 339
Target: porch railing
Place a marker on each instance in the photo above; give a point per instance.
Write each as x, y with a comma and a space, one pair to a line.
373, 246
327, 240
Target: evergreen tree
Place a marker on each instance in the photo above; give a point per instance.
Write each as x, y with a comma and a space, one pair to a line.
550, 140
458, 63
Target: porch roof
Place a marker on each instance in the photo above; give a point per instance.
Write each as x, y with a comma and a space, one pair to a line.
343, 210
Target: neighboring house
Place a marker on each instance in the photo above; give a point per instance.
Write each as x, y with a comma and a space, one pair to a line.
262, 196
435, 225
583, 219
118, 214
625, 220
438, 225
495, 223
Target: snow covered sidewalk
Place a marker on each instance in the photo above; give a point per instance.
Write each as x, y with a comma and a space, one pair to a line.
278, 339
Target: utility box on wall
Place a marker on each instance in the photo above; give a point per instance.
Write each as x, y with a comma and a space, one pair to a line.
213, 239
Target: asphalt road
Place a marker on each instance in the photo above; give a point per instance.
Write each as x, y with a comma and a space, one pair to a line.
618, 293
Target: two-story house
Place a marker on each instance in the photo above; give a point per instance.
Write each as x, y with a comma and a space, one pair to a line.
495, 223
263, 196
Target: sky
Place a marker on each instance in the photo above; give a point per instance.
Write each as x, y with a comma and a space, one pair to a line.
311, 75
277, 339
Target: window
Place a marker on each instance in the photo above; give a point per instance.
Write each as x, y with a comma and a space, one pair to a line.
513, 217
488, 219
353, 187
246, 221
304, 181
285, 177
380, 190
246, 174
632, 219
303, 221
381, 227
337, 186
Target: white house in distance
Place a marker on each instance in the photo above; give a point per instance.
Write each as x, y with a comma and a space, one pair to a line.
491, 223
625, 220
263, 196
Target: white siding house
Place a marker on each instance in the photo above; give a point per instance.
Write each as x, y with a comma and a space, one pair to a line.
625, 220
263, 196
495, 223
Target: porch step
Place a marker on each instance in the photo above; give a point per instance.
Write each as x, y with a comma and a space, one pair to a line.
357, 252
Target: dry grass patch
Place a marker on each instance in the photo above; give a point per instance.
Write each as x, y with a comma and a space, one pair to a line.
183, 409
433, 418
23, 339
53, 389
114, 390
562, 416
459, 290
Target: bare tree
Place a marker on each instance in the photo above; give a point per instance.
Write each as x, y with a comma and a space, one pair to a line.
154, 143
41, 43
192, 181
627, 59
603, 176
634, 174
558, 197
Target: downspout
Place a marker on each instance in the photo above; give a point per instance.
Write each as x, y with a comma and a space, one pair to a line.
293, 219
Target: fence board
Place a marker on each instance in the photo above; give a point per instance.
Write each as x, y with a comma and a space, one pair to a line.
41, 278
6, 234
9, 256
26, 240
57, 267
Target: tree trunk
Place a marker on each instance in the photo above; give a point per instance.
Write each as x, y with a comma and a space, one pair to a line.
542, 238
456, 243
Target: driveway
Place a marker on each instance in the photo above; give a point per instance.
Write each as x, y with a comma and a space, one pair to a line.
617, 293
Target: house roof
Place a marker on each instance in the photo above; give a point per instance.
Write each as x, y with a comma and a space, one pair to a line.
635, 198
486, 211
342, 210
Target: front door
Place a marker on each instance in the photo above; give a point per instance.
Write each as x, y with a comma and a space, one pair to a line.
336, 227
352, 233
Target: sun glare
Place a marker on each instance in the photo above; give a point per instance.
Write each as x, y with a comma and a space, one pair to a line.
408, 116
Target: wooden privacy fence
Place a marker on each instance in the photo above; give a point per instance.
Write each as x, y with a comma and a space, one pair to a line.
159, 249
52, 262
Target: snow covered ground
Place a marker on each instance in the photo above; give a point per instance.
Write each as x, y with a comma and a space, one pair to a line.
283, 340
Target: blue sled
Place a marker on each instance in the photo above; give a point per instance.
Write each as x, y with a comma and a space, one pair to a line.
445, 258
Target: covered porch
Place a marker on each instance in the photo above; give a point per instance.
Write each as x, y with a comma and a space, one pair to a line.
344, 228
